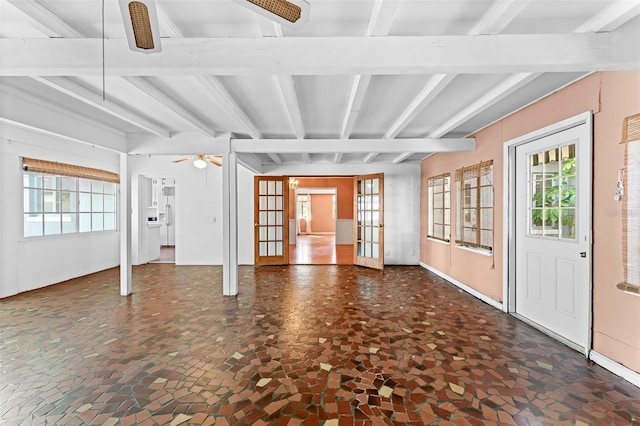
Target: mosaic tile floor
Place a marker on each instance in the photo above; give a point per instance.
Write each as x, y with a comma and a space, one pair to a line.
301, 345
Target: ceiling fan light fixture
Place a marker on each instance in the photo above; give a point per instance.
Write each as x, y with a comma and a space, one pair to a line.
140, 21
199, 163
290, 13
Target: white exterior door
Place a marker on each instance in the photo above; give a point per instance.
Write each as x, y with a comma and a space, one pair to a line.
553, 228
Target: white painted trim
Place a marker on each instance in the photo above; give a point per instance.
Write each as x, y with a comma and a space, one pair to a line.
126, 271
508, 209
471, 291
616, 368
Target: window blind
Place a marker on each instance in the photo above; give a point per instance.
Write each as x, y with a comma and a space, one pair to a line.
62, 169
474, 224
631, 202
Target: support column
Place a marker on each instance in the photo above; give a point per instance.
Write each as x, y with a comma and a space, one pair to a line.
126, 286
230, 223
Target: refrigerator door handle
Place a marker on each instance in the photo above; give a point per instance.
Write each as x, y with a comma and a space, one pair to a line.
169, 214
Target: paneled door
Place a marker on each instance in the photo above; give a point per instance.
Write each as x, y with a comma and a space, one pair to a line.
369, 223
553, 227
271, 220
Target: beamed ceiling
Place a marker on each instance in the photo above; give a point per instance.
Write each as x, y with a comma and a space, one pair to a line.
363, 81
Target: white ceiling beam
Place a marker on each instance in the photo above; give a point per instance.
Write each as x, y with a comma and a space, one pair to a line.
332, 146
250, 162
429, 92
288, 90
499, 15
337, 159
382, 16
370, 157
356, 97
210, 83
611, 17
275, 157
503, 53
44, 20
95, 100
226, 101
268, 28
306, 158
166, 23
186, 144
402, 157
285, 83
499, 92
170, 104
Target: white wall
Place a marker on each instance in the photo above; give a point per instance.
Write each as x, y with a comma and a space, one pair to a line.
27, 264
198, 210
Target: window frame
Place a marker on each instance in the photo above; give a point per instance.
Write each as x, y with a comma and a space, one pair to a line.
446, 211
59, 210
469, 182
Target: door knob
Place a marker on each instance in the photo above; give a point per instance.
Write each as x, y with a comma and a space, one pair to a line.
583, 254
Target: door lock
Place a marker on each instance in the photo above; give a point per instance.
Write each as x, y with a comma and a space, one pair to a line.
583, 254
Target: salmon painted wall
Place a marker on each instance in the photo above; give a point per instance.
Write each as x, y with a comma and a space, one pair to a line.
611, 96
322, 219
344, 187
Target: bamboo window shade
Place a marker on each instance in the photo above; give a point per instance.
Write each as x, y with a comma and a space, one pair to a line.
631, 205
474, 218
43, 166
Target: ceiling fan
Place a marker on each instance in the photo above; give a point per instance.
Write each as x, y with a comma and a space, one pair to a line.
200, 161
140, 18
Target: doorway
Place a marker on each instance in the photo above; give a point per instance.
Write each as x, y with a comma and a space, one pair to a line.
321, 220
163, 202
548, 204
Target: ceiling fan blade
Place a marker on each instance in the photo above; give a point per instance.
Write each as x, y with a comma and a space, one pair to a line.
291, 13
217, 163
183, 159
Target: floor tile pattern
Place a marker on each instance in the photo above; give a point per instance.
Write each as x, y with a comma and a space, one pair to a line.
300, 345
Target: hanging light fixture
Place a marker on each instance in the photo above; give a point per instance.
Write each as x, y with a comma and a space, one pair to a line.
199, 163
293, 183
140, 21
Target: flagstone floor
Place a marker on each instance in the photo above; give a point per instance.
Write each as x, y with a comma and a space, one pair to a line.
333, 345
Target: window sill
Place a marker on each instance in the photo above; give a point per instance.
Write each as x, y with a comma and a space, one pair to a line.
435, 240
479, 251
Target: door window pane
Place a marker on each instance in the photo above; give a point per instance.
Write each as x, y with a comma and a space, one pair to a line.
553, 192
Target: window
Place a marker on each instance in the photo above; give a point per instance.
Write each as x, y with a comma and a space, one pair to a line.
439, 207
55, 205
474, 221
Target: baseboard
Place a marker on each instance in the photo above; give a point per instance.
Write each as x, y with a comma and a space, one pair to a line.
471, 291
616, 368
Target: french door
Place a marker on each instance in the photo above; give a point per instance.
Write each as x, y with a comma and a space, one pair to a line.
369, 224
553, 247
271, 220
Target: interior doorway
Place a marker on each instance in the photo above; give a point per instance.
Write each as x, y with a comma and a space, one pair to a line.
163, 196
321, 220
